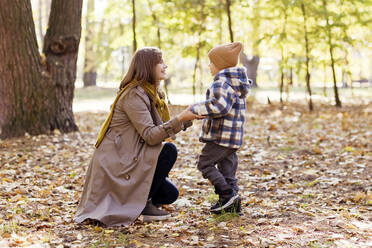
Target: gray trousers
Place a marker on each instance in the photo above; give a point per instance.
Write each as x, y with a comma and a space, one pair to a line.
223, 177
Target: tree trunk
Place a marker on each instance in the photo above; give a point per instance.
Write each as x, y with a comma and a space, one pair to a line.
158, 34
90, 68
253, 63
220, 25
281, 86
349, 74
194, 73
134, 26
40, 9
61, 47
283, 63
22, 90
156, 22
325, 80
329, 33
252, 66
228, 5
36, 91
307, 57
203, 15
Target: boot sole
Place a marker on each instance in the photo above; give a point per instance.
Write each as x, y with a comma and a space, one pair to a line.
227, 204
148, 218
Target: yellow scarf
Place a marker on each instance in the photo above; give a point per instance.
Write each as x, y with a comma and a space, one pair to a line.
160, 104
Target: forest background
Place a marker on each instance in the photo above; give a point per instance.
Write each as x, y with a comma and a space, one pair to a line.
304, 170
284, 41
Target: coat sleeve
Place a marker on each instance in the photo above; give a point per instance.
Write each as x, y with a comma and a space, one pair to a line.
136, 106
219, 103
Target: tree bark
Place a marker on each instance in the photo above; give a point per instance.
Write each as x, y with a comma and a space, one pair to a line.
155, 19
195, 67
40, 9
90, 68
228, 5
329, 34
22, 91
283, 63
158, 34
252, 66
61, 47
307, 57
325, 80
281, 85
36, 91
134, 26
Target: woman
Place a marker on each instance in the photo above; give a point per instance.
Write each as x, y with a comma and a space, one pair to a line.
127, 175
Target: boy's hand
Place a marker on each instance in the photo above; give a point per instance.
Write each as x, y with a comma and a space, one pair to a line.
186, 115
198, 117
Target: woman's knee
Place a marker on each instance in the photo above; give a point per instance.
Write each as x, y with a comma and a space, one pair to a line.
171, 151
172, 191
166, 194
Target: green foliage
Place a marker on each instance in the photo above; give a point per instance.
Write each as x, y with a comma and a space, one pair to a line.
268, 28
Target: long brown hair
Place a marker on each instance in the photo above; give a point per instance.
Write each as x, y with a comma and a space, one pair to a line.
142, 66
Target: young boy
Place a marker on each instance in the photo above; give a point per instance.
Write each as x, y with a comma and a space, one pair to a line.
222, 129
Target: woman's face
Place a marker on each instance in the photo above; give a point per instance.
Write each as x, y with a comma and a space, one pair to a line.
159, 72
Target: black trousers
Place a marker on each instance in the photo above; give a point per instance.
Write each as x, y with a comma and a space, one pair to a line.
219, 164
162, 190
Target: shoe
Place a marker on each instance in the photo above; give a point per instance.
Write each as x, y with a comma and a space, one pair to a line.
229, 204
151, 213
235, 208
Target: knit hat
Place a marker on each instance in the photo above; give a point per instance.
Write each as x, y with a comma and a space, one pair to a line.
225, 56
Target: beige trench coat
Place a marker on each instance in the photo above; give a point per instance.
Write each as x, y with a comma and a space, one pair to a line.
121, 170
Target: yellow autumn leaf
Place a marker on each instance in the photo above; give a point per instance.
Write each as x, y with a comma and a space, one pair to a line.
317, 150
359, 196
273, 127
351, 226
210, 238
312, 183
348, 149
108, 231
369, 196
45, 239
97, 229
6, 180
6, 235
292, 186
297, 229
135, 242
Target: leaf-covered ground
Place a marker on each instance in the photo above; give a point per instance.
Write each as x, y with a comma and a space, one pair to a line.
305, 181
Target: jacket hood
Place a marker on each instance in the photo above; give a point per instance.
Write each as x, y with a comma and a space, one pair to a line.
237, 78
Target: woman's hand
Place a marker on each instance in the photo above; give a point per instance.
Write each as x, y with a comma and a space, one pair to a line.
187, 115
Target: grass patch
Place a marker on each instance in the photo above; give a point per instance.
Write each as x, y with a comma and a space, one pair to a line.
91, 93
287, 148
212, 197
223, 217
320, 245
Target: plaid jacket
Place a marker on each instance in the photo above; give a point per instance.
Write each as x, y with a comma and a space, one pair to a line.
224, 107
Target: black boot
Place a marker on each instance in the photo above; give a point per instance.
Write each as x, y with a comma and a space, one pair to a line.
229, 201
